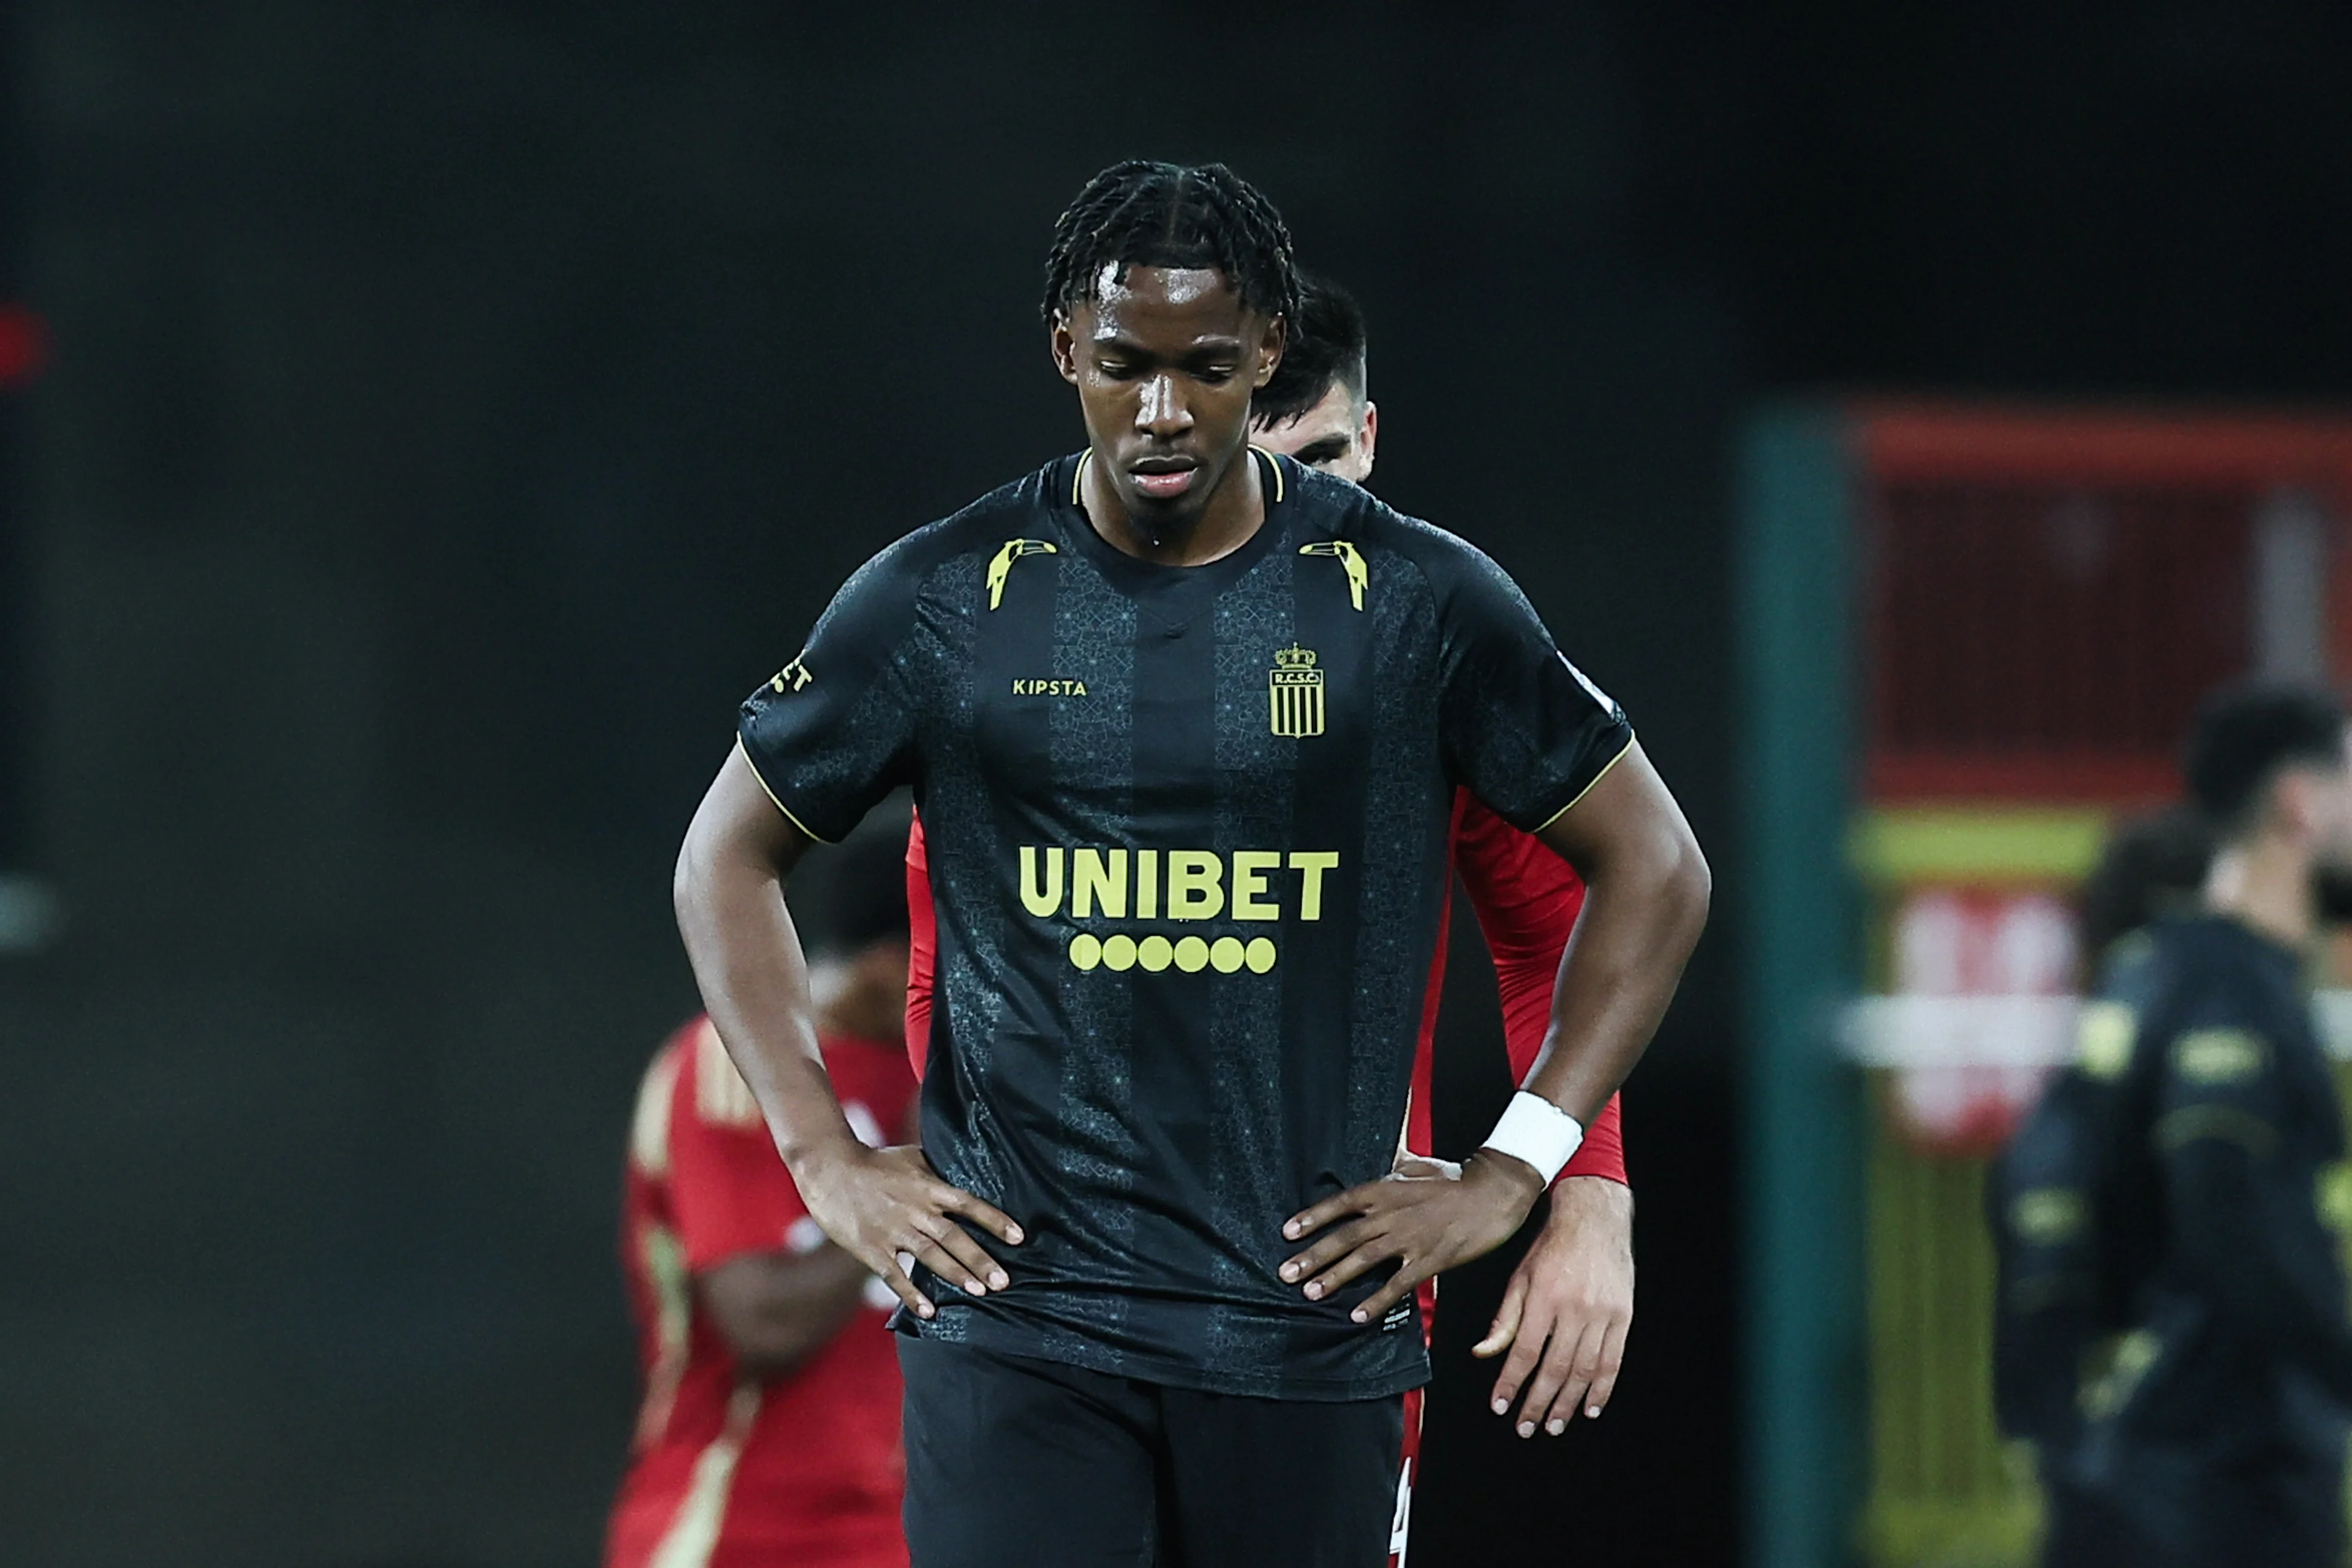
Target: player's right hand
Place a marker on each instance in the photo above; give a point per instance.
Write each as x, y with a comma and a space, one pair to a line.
888, 1209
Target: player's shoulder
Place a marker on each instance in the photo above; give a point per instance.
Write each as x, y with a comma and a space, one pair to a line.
1442, 561
1020, 507
2213, 1000
649, 1122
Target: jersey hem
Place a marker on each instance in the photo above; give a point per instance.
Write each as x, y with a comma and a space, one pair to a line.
774, 798
1180, 1374
1596, 778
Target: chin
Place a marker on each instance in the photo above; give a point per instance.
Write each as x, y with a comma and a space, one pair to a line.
1167, 515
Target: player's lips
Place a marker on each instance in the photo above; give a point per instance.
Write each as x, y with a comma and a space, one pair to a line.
1165, 479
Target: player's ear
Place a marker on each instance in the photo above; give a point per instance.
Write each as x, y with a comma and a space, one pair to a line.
1063, 342
1372, 435
1270, 347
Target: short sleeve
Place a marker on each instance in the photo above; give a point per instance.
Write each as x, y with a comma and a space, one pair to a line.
832, 732
1524, 730
728, 1187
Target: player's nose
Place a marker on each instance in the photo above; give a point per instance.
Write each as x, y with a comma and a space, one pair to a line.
1162, 412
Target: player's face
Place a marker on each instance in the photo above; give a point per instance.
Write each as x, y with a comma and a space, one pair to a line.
1164, 361
1337, 435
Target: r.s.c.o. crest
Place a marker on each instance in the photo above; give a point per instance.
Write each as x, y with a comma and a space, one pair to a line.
1295, 692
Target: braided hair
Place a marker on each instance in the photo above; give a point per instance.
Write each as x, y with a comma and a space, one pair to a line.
1143, 213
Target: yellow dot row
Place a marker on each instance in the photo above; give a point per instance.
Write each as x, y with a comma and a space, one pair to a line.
1192, 954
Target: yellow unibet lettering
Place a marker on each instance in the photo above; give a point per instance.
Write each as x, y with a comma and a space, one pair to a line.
1040, 901
1194, 889
1310, 892
1198, 884
1250, 867
1098, 877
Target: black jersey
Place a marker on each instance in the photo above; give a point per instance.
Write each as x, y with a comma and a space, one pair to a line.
2185, 1253
1188, 845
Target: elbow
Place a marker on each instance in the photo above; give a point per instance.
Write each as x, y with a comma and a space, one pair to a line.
688, 880
1688, 886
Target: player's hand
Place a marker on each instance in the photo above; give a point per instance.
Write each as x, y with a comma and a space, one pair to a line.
1568, 1308
890, 1209
1426, 1217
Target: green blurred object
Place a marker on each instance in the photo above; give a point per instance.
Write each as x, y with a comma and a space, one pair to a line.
1795, 587
1944, 1488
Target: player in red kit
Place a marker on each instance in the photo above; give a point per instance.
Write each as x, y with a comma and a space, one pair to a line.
1567, 1308
768, 1435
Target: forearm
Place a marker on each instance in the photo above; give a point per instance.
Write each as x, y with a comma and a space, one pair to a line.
747, 959
1595, 1205
1646, 891
776, 1310
1640, 922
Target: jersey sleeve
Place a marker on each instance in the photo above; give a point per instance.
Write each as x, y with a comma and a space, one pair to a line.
2242, 1214
833, 732
1602, 1153
1523, 729
922, 948
1526, 900
728, 1187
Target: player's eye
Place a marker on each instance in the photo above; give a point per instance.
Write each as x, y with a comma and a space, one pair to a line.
1117, 369
1215, 374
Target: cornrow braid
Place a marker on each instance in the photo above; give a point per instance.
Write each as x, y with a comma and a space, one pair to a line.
1143, 213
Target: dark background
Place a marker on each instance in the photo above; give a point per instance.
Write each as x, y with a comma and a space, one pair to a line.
453, 409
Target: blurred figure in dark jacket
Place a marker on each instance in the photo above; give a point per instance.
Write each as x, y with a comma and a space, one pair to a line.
2172, 1334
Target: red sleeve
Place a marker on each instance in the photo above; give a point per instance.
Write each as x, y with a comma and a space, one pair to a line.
729, 1189
922, 949
1526, 900
1602, 1153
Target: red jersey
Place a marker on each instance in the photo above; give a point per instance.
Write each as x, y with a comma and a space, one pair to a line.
726, 1473
1527, 899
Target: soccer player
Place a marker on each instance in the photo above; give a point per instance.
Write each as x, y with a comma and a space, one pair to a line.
1575, 1288
1185, 723
2171, 1218
770, 1429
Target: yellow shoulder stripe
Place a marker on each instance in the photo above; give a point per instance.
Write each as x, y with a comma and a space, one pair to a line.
1348, 555
649, 1125
721, 1098
1001, 567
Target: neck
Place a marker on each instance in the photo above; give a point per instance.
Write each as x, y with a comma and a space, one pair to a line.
2266, 884
1234, 511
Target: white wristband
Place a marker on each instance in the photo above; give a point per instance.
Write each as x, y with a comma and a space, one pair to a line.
1534, 1129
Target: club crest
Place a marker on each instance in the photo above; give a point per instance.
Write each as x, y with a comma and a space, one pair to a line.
1294, 693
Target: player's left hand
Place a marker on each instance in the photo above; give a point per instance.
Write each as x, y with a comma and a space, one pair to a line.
1568, 1307
1427, 1216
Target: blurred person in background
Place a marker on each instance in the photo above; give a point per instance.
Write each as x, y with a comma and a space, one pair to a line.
1157, 1348
768, 1435
1570, 1304
2151, 866
2172, 1335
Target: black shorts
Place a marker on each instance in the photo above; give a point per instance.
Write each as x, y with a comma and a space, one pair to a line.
1016, 1463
